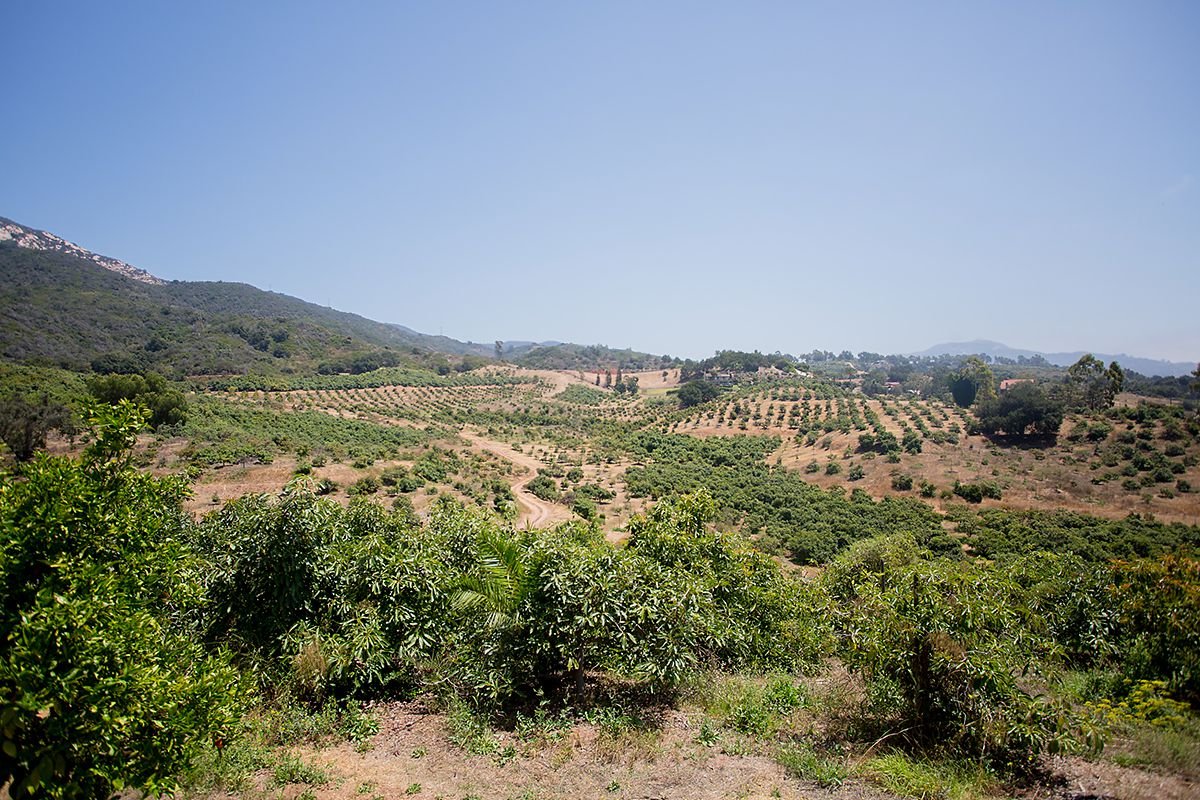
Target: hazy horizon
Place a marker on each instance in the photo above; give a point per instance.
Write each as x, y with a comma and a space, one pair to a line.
677, 178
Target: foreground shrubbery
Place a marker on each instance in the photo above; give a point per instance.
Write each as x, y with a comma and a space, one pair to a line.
100, 682
133, 635
359, 601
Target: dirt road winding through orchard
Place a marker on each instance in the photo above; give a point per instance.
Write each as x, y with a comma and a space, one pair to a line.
535, 512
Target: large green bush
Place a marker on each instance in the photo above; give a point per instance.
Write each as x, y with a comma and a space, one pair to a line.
100, 685
949, 660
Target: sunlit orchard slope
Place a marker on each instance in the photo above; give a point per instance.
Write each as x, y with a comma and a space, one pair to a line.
357, 434
290, 645
1134, 458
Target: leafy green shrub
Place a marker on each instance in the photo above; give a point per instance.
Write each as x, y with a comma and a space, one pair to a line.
976, 492
584, 507
1159, 605
436, 465
902, 483
748, 715
947, 653
594, 492
363, 486
100, 687
751, 615
875, 560
544, 487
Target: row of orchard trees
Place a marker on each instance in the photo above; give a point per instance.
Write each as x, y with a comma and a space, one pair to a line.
133, 636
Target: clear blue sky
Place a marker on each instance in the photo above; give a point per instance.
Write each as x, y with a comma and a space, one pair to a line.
675, 177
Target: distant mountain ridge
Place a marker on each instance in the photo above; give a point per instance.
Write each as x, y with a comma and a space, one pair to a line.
1145, 366
33, 239
64, 305
55, 307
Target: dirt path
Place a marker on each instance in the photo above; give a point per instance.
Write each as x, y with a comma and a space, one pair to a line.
535, 512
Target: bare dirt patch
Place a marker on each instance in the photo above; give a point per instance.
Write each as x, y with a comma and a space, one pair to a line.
412, 755
1081, 778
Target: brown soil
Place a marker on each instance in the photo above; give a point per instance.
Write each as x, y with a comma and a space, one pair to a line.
1080, 778
413, 754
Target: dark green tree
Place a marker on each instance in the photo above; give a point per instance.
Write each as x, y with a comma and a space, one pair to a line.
1024, 410
1091, 386
166, 403
24, 423
694, 393
973, 382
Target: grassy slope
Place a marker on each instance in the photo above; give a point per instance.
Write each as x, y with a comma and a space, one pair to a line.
61, 310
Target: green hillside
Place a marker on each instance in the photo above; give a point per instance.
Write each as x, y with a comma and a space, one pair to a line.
57, 309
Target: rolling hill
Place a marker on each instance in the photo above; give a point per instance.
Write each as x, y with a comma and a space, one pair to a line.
62, 305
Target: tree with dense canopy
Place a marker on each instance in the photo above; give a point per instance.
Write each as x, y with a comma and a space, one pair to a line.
1024, 410
167, 404
1091, 386
973, 382
693, 393
24, 423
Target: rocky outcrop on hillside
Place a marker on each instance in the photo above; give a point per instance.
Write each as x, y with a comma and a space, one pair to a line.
41, 240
